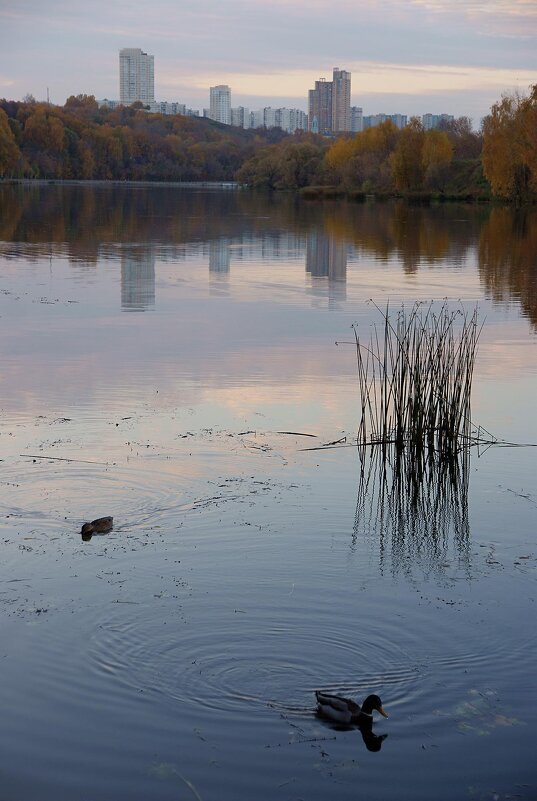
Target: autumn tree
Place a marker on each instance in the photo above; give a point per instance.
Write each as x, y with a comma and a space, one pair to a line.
363, 162
407, 159
510, 145
436, 156
466, 143
9, 152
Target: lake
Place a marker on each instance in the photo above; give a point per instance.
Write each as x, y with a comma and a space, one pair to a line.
169, 357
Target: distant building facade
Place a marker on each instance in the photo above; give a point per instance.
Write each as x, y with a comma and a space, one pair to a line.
357, 121
288, 119
320, 108
220, 104
372, 120
136, 77
291, 119
430, 121
329, 104
240, 117
341, 101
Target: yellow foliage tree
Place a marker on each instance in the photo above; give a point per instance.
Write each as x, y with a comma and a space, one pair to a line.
510, 145
407, 158
437, 154
9, 151
363, 160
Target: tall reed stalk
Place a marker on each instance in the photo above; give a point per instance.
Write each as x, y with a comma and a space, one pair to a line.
415, 378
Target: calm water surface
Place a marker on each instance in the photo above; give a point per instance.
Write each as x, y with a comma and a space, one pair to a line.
158, 346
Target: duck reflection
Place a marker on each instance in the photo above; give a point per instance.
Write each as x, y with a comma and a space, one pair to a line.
343, 713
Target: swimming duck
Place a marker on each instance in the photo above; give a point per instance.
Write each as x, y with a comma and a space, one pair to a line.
102, 525
344, 710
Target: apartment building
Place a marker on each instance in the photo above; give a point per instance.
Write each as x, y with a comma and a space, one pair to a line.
430, 121
220, 104
357, 121
136, 77
372, 120
329, 104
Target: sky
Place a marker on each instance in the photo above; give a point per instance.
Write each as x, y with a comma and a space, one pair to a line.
406, 56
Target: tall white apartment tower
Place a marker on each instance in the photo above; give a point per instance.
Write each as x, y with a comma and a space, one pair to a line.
220, 104
136, 76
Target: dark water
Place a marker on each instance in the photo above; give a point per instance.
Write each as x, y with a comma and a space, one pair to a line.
162, 341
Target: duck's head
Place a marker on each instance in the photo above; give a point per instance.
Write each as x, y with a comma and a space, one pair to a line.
87, 530
373, 702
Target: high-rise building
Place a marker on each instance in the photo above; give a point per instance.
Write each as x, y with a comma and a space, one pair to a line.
136, 77
220, 104
329, 104
341, 101
320, 108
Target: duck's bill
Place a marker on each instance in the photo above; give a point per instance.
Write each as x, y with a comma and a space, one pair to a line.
383, 713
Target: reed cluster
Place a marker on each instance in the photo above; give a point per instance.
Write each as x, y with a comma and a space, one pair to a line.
415, 378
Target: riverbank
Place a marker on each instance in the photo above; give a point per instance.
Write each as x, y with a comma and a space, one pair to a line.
102, 182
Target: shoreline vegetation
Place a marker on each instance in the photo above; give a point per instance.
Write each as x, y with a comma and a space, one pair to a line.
82, 142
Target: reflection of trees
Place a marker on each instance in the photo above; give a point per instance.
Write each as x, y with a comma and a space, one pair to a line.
82, 217
417, 510
508, 257
81, 221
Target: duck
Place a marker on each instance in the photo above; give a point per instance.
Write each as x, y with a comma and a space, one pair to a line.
344, 710
102, 525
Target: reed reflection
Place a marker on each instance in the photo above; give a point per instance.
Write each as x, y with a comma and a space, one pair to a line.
415, 508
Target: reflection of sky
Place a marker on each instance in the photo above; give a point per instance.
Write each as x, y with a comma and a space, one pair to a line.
262, 342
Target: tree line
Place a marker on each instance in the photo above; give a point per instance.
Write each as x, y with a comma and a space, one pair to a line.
82, 141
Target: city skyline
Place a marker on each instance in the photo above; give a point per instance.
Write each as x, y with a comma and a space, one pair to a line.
413, 57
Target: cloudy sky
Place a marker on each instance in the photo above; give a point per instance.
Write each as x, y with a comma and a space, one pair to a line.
406, 56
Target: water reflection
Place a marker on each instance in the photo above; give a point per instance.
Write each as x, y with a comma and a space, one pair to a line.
82, 222
508, 258
219, 256
137, 278
417, 510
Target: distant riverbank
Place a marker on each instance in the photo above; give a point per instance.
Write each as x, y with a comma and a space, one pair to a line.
111, 182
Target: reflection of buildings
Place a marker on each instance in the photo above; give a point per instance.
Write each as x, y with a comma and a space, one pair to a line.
219, 256
137, 279
326, 256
